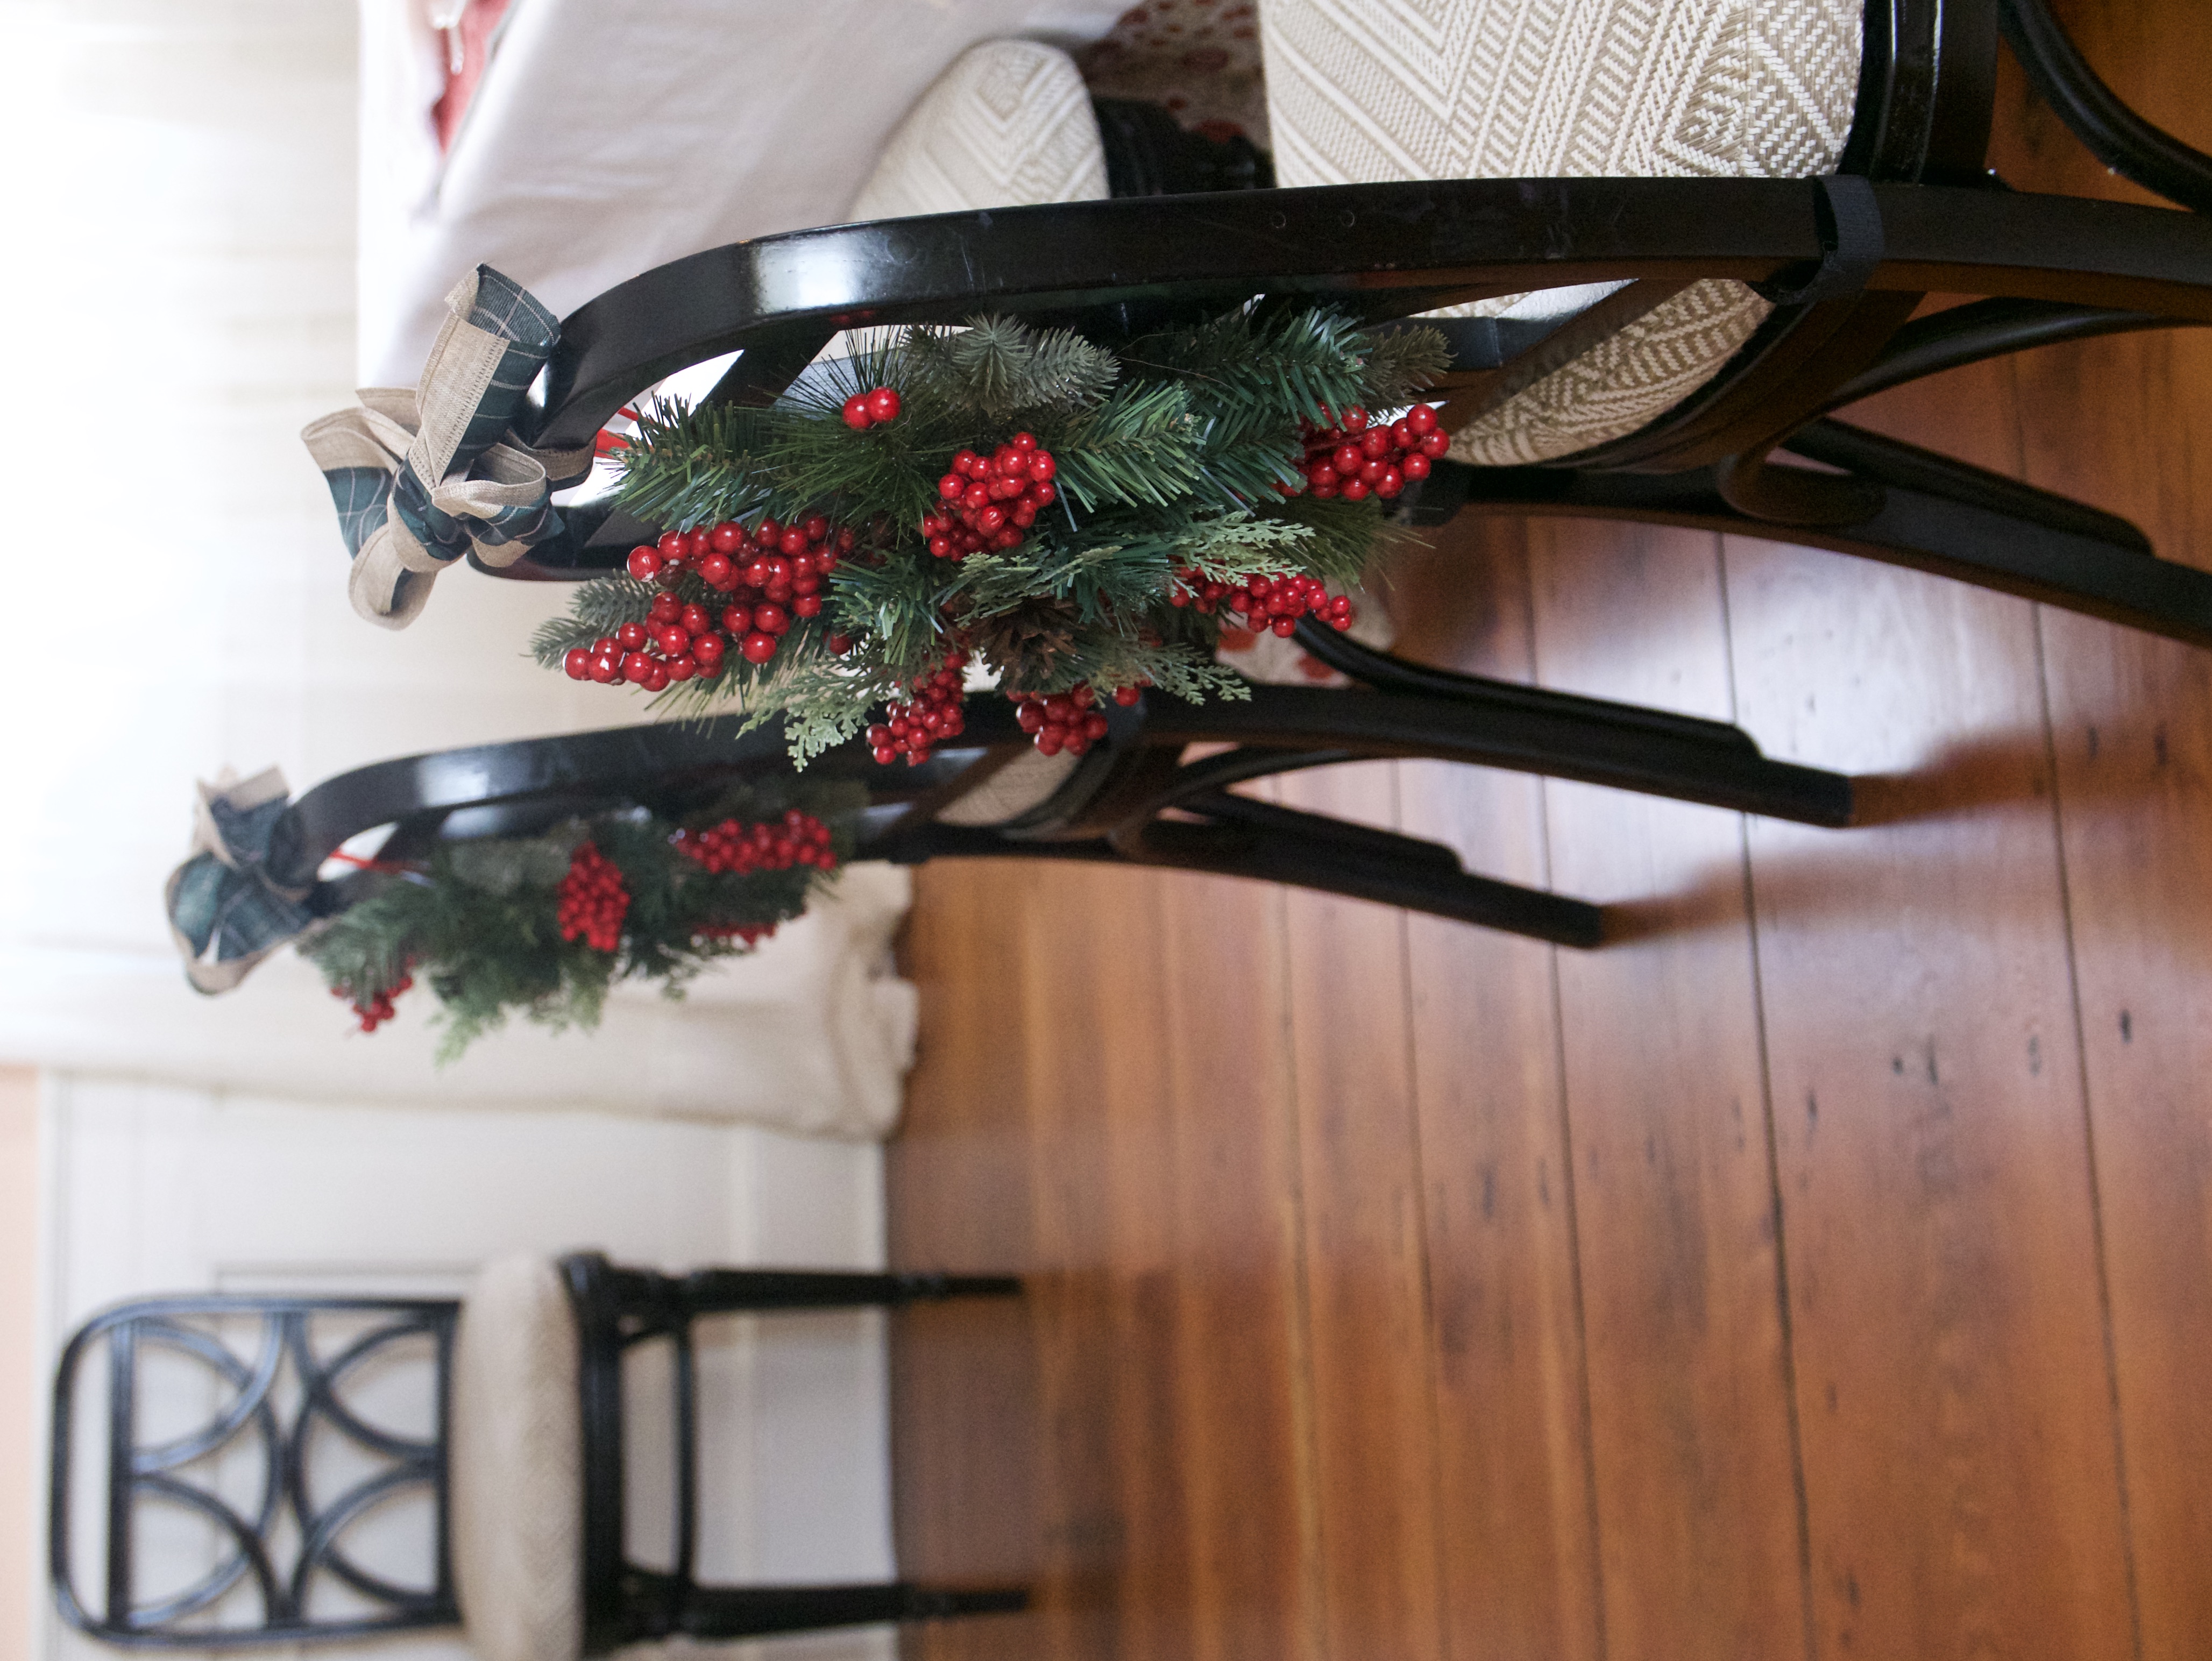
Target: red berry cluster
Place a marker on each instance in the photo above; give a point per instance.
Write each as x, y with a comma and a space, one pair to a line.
800, 839
594, 900
916, 727
375, 1008
772, 573
1066, 720
752, 933
1354, 459
989, 500
1264, 602
865, 409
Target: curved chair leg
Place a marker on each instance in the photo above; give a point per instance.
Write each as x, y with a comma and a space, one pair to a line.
1934, 514
730, 1291
754, 1611
2107, 128
1268, 844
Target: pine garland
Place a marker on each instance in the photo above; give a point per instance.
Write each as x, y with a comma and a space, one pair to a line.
481, 921
1177, 453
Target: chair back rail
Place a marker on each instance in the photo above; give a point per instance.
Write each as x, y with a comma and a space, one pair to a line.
288, 1509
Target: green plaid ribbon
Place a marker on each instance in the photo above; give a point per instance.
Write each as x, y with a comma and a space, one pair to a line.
225, 913
420, 476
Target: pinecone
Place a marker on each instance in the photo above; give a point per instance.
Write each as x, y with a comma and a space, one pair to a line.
1026, 642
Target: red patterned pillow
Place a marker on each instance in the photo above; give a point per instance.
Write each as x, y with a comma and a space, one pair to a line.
468, 40
1198, 59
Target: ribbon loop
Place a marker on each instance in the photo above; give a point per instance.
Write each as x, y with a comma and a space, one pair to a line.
421, 477
225, 913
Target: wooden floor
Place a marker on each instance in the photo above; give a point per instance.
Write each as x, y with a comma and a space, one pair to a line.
1822, 1272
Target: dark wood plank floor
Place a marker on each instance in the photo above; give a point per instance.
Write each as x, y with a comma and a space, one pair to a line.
1822, 1272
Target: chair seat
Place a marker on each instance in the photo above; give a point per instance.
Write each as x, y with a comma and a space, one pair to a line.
1009, 124
516, 1470
1025, 784
1561, 89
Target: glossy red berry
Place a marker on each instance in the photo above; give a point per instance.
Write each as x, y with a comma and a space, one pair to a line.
883, 405
758, 648
856, 411
644, 564
577, 664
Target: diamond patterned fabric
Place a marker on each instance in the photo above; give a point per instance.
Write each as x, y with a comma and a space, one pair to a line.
1010, 124
1362, 91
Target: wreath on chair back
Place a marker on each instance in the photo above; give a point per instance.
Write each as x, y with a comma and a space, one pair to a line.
546, 924
1077, 522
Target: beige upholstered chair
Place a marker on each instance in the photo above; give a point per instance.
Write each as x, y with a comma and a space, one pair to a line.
525, 1467
1009, 123
1484, 88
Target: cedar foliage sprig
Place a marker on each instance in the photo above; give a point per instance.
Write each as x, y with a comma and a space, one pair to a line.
480, 924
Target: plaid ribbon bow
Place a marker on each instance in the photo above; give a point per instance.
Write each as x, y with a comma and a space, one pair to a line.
224, 912
420, 478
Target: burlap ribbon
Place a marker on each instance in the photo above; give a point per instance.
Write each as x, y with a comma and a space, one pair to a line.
420, 478
224, 910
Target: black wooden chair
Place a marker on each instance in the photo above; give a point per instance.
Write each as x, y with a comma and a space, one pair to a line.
1847, 259
523, 1465
1133, 799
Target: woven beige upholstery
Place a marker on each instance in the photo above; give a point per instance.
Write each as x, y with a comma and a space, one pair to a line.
1362, 91
1027, 781
515, 1453
1008, 124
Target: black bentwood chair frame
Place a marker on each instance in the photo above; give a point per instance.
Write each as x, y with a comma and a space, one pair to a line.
1132, 800
1847, 259
616, 1308
1911, 210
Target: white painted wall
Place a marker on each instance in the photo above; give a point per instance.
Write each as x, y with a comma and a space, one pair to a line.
22, 1380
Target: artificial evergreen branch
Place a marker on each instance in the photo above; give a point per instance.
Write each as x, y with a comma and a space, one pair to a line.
1181, 454
482, 924
1139, 445
1399, 363
995, 368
